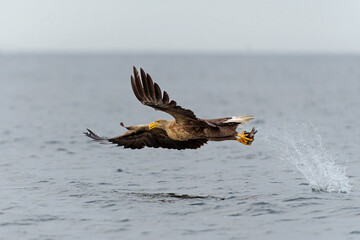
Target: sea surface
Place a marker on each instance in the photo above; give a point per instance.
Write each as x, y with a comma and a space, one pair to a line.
299, 179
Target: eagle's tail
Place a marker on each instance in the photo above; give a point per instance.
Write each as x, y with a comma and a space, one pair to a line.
240, 120
93, 136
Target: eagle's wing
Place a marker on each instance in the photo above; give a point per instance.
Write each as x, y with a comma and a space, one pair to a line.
149, 94
142, 137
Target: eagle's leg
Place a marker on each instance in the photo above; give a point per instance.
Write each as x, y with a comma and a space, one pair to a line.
246, 138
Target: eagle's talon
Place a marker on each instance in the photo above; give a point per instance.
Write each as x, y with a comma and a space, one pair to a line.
246, 137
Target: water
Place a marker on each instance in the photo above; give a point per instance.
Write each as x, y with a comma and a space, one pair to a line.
300, 178
301, 145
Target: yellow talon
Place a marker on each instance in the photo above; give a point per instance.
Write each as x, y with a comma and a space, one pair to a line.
244, 138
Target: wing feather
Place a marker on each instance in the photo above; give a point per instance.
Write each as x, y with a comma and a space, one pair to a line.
140, 138
136, 92
151, 87
165, 98
139, 87
158, 93
144, 82
149, 94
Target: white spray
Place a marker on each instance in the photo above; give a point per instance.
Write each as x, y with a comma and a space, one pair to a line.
300, 145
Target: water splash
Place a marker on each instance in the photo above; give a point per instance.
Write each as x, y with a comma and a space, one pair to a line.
300, 145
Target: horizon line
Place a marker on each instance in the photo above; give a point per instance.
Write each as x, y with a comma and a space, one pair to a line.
183, 52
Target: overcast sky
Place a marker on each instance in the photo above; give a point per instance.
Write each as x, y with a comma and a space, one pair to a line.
180, 26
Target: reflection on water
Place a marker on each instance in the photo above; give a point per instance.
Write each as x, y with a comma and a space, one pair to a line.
163, 196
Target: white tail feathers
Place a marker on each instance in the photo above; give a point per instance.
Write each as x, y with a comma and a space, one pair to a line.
240, 120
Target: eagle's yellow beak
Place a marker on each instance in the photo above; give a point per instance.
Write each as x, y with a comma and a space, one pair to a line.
153, 125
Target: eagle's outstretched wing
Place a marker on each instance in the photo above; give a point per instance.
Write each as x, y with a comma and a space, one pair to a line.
140, 137
149, 94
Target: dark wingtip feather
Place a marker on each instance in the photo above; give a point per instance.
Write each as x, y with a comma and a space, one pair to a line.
135, 71
151, 86
144, 82
138, 85
93, 136
142, 72
158, 94
166, 98
135, 90
172, 103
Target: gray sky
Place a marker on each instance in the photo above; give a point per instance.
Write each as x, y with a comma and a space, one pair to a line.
180, 26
